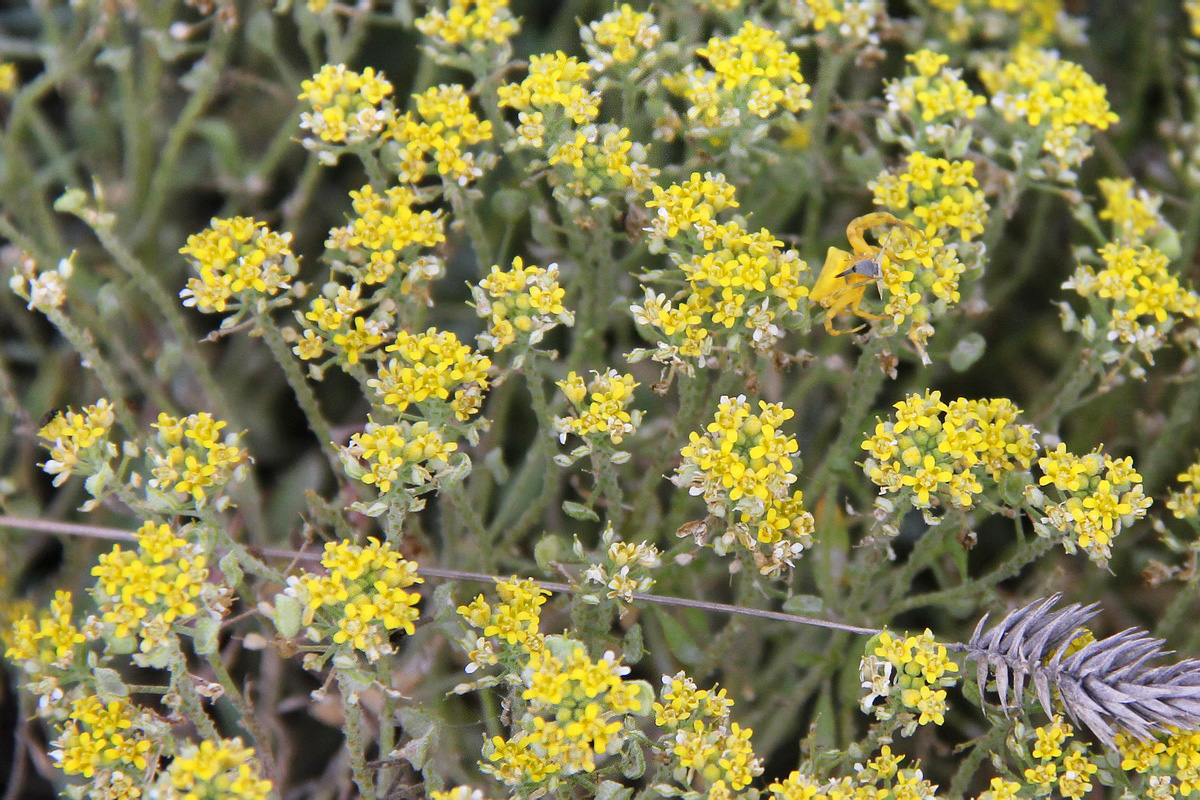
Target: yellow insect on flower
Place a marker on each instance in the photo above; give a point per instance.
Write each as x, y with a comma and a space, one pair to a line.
845, 276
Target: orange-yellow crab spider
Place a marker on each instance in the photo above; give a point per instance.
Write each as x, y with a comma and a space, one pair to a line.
845, 276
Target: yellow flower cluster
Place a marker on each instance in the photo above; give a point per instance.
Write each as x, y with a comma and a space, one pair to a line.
596, 159
700, 741
919, 279
743, 468
880, 777
108, 743
1061, 764
736, 277
458, 793
1171, 764
751, 76
940, 196
9, 77
142, 594
222, 769
78, 440
575, 716
240, 262
384, 235
360, 599
1054, 96
931, 92
478, 24
936, 452
1134, 300
1133, 212
513, 621
431, 366
625, 568
43, 289
520, 304
1033, 22
191, 457
1098, 497
347, 107
557, 86
910, 674
1184, 503
601, 407
47, 641
557, 106
332, 323
397, 457
622, 36
439, 129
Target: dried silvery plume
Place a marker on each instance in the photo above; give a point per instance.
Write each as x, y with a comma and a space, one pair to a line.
1106, 685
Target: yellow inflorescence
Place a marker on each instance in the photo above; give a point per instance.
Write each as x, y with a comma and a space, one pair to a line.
601, 406
621, 36
78, 439
514, 620
238, 259
739, 282
1099, 496
752, 72
940, 196
438, 132
520, 304
101, 739
932, 91
1184, 503
574, 717
557, 84
1134, 212
164, 582
45, 641
742, 466
224, 769
700, 738
471, 22
361, 598
910, 674
398, 456
936, 452
385, 232
1053, 95
1062, 763
347, 107
1171, 762
598, 159
192, 457
432, 366
9, 77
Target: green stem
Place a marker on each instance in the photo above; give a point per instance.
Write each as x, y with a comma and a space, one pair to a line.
992, 742
1027, 553
248, 720
165, 172
193, 704
169, 307
356, 740
82, 341
457, 498
1155, 464
864, 386
303, 392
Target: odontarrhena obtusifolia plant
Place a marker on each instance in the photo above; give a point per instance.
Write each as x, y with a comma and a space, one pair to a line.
812, 387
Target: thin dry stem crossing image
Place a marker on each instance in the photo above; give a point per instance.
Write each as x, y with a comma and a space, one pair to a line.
505, 400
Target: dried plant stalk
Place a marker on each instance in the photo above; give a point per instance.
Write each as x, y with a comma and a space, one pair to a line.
1106, 686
